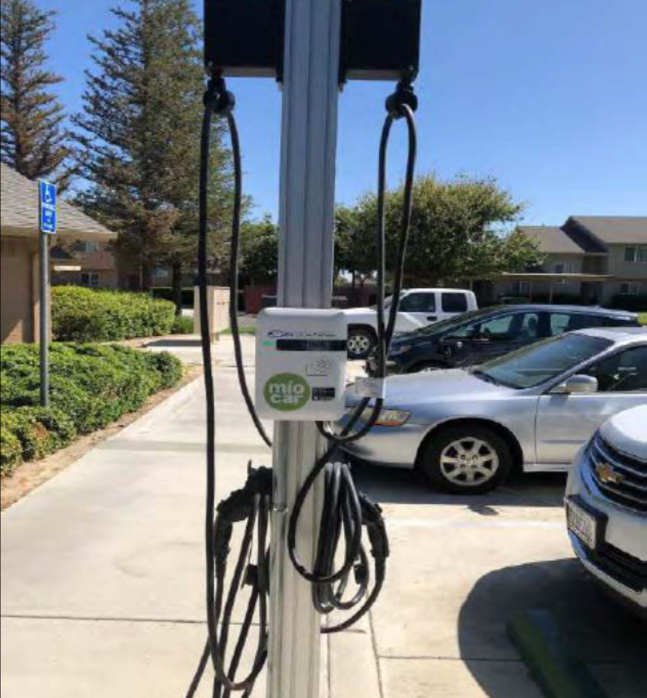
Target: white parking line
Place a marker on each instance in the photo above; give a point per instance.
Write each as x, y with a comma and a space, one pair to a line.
394, 523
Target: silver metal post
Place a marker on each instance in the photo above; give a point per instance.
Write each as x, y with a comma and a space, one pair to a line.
306, 217
43, 268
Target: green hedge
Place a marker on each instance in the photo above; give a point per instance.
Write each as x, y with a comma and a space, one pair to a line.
91, 386
10, 452
182, 325
93, 315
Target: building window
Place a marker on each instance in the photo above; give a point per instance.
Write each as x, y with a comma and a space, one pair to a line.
90, 278
630, 289
564, 268
160, 273
636, 254
88, 246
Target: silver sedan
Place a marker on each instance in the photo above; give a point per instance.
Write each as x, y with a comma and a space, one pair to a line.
533, 409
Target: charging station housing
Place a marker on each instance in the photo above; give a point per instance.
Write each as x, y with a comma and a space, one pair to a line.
244, 38
380, 39
301, 360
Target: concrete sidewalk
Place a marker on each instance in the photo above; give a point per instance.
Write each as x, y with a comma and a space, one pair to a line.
102, 567
102, 574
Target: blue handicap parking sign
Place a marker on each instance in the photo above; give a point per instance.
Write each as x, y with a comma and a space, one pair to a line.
47, 207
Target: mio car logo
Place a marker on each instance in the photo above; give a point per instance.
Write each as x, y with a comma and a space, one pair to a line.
286, 392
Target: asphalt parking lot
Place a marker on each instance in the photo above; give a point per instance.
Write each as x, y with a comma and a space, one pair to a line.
462, 567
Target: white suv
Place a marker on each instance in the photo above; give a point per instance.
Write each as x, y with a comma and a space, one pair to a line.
606, 506
419, 307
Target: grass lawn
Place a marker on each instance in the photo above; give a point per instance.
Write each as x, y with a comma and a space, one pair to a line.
252, 330
643, 318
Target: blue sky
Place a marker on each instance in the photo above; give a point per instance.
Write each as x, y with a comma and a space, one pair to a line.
548, 96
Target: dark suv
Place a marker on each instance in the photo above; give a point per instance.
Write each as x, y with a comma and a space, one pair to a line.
479, 335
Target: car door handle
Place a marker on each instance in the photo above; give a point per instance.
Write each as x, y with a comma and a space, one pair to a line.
432, 318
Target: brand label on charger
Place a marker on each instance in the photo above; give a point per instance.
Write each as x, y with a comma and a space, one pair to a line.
287, 392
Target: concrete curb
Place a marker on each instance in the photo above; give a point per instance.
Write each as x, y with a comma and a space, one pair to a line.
557, 670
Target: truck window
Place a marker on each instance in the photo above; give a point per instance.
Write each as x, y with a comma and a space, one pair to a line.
418, 303
454, 302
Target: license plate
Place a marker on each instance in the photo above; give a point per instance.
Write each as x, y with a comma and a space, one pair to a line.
583, 524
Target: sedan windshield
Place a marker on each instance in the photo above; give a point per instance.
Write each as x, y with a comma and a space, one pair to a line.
540, 362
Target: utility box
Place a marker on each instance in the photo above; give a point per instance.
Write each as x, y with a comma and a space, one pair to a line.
218, 304
301, 358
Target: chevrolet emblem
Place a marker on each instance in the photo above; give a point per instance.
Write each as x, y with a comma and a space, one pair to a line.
607, 475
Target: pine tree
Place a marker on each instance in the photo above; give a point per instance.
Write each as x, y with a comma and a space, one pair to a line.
34, 140
140, 136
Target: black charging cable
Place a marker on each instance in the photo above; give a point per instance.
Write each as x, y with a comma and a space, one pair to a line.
250, 506
345, 511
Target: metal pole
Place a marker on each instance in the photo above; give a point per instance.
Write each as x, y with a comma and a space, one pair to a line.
43, 264
306, 217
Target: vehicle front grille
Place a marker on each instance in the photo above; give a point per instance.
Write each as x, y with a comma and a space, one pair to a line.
621, 478
624, 568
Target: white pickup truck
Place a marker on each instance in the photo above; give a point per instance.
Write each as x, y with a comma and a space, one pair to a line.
418, 307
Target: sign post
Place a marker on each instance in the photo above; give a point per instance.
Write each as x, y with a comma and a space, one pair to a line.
46, 228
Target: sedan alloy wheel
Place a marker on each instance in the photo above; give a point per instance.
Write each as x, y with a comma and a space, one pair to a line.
465, 458
469, 462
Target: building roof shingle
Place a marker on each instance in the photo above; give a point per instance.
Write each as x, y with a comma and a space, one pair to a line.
550, 239
612, 230
19, 211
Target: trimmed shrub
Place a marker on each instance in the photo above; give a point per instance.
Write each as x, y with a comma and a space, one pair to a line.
182, 325
35, 440
10, 452
59, 425
96, 315
167, 367
92, 385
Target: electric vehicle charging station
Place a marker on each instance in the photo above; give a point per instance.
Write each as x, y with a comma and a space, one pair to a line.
312, 47
301, 364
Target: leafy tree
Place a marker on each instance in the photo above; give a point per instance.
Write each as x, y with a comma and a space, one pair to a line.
354, 228
260, 252
34, 140
457, 232
139, 137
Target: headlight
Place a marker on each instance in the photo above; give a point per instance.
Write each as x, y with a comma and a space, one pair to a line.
387, 418
402, 349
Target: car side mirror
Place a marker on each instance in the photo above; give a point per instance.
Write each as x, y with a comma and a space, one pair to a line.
577, 385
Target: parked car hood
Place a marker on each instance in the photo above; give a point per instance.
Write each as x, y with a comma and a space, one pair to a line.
626, 432
444, 385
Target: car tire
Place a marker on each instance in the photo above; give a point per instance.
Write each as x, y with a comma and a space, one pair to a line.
425, 367
361, 342
466, 459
